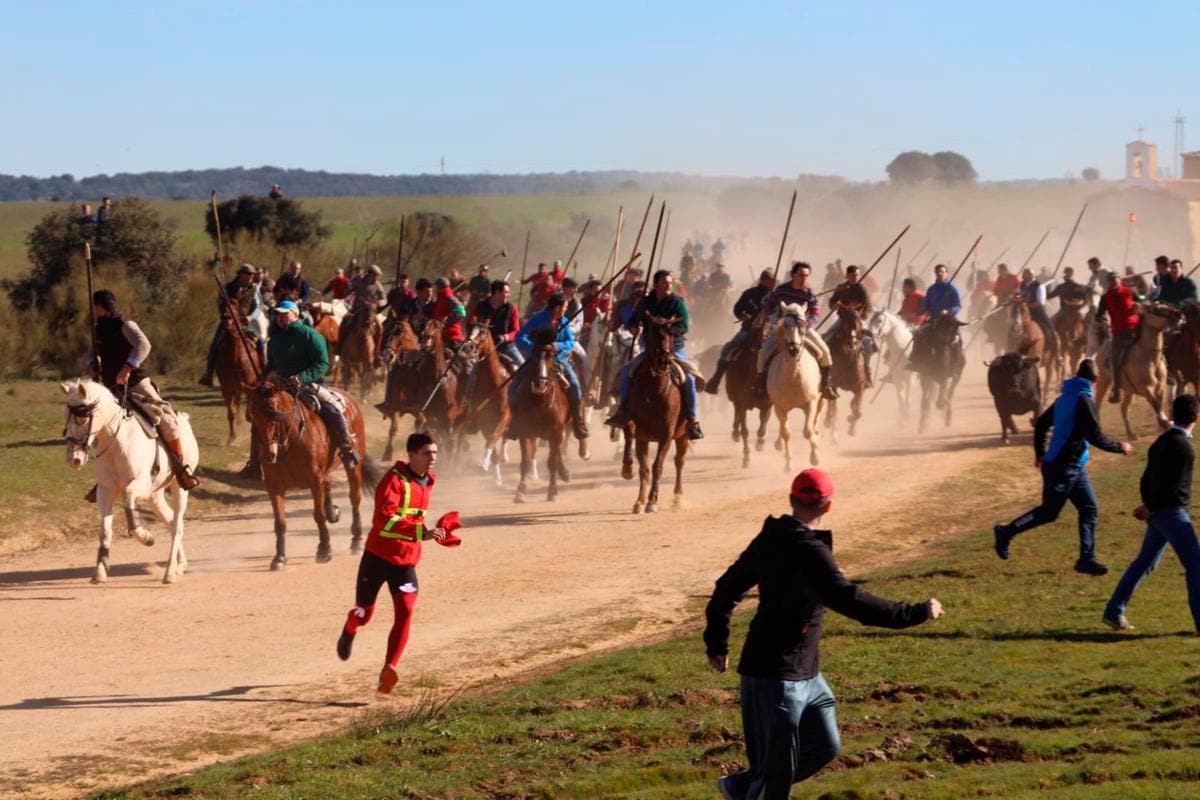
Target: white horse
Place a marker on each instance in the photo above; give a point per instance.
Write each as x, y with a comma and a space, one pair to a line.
130, 466
894, 339
794, 381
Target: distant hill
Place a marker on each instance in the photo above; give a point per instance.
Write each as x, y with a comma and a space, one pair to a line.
196, 184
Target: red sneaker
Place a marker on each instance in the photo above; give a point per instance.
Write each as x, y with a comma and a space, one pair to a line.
388, 680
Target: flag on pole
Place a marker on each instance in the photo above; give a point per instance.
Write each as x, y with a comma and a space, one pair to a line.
1132, 217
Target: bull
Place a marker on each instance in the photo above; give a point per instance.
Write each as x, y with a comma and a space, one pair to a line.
1016, 388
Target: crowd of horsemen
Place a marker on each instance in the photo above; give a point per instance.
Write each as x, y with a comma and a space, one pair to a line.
297, 338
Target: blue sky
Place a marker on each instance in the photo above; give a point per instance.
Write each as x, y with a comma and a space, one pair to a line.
1025, 90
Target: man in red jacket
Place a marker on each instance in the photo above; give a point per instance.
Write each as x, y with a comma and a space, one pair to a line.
393, 551
1121, 308
448, 309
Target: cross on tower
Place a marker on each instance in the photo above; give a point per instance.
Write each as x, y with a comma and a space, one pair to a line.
1140, 131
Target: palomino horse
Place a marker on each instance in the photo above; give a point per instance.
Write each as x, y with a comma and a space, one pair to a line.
238, 365
743, 390
939, 366
540, 410
1183, 351
298, 453
894, 340
1145, 370
1027, 338
849, 370
356, 351
1072, 334
487, 405
794, 381
130, 466
655, 405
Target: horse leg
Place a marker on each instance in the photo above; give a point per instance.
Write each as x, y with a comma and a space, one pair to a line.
681, 449
811, 432
660, 458
1126, 401
355, 477
104, 501
231, 412
785, 438
321, 503
643, 455
278, 509
173, 519
627, 458
855, 409
926, 402
526, 456
133, 519
393, 425
554, 464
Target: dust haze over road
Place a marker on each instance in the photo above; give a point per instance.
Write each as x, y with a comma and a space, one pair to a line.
101, 685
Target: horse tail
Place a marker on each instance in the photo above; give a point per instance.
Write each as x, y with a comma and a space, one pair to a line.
373, 471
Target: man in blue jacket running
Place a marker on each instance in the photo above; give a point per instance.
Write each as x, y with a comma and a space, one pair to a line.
1076, 423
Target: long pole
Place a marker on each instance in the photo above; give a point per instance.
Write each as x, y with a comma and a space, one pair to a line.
1193, 269
1031, 252
892, 289
1128, 235
524, 261
616, 297
232, 310
575, 250
666, 228
920, 250
662, 210
996, 260
782, 242
1067, 246
964, 260
875, 263
217, 224
87, 259
612, 254
400, 251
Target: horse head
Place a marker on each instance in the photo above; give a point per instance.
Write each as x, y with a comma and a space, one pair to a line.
658, 338
275, 413
545, 350
1157, 316
83, 401
790, 332
849, 330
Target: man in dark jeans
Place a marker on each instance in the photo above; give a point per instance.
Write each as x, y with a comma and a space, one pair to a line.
787, 707
1166, 494
1076, 424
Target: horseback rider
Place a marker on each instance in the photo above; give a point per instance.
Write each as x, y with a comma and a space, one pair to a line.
1120, 306
797, 292
1005, 284
1177, 289
942, 303
1033, 293
121, 350
479, 286
662, 304
500, 318
369, 300
243, 295
910, 306
746, 309
1097, 283
450, 311
550, 320
851, 294
298, 354
1069, 291
292, 285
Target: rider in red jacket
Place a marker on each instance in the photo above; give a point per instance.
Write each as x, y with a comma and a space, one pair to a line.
448, 308
1121, 308
394, 548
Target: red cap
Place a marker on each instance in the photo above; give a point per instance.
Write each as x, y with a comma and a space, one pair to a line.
812, 484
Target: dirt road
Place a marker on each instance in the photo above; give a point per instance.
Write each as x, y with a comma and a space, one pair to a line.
101, 685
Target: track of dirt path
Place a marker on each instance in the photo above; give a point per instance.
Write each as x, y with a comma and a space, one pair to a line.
101, 685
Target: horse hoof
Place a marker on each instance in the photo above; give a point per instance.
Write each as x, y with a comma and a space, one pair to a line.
333, 514
170, 578
520, 498
324, 554
142, 535
278, 563
759, 445
746, 463
627, 472
677, 503
637, 508
387, 454
737, 437
101, 575
651, 508
552, 497
778, 446
564, 475
356, 546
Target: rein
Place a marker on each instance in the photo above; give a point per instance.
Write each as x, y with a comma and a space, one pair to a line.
88, 412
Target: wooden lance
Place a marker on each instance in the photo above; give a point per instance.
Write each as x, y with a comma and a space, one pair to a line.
783, 242
87, 260
1067, 246
962, 263
571, 258
874, 264
662, 210
1031, 252
616, 297
524, 261
400, 252
217, 224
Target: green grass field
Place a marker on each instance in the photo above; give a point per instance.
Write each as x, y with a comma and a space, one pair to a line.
1018, 692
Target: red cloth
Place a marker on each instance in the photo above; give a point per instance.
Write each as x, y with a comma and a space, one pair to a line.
591, 310
449, 522
910, 308
339, 287
398, 298
1122, 309
446, 305
389, 498
1004, 286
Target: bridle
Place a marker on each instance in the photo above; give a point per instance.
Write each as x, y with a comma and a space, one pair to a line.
88, 412
295, 417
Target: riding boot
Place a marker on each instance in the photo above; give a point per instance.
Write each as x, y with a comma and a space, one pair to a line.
210, 365
182, 472
578, 425
621, 418
693, 429
341, 437
828, 391
715, 381
867, 373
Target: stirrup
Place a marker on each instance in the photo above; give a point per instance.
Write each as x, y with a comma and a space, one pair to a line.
186, 480
693, 430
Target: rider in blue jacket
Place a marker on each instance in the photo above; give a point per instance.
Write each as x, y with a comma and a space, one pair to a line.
551, 319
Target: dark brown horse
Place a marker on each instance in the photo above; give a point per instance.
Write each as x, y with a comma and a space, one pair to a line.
413, 386
298, 453
1027, 338
743, 390
487, 405
356, 350
1072, 334
849, 369
655, 406
238, 365
540, 411
1182, 350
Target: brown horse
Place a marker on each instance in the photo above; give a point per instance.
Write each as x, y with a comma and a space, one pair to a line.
1183, 351
413, 387
849, 369
1027, 338
743, 389
356, 350
298, 453
655, 406
1070, 326
540, 410
487, 405
238, 365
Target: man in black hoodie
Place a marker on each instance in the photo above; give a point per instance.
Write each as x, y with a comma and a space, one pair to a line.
1166, 490
787, 707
